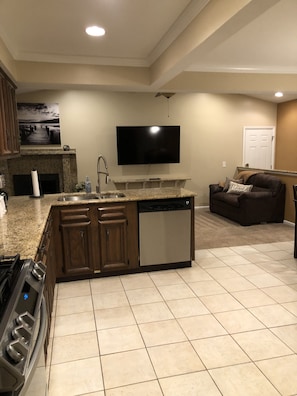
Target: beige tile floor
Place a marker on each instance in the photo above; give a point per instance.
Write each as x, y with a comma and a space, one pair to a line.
226, 326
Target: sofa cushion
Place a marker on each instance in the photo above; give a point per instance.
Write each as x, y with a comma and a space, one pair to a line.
265, 182
229, 199
260, 189
237, 188
228, 180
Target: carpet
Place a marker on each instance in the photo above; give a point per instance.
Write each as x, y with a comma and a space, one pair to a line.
212, 230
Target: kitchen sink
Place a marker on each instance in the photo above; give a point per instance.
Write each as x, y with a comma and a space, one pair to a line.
111, 195
87, 197
78, 197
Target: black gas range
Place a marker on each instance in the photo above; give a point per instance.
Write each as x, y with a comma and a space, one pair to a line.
21, 296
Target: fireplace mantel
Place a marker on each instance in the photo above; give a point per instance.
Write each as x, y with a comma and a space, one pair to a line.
31, 152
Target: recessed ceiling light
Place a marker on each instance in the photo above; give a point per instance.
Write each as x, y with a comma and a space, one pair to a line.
95, 31
278, 94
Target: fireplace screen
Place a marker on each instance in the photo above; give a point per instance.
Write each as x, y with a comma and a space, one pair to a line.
49, 184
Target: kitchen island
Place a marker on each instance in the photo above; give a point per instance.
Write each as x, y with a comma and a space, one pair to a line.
21, 228
83, 239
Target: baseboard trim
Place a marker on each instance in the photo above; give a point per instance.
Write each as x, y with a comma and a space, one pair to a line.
289, 223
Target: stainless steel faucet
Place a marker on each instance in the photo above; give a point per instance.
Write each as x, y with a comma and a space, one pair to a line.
99, 172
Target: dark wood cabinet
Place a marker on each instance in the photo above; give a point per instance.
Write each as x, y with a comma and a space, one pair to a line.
95, 239
100, 239
76, 239
46, 254
116, 229
9, 134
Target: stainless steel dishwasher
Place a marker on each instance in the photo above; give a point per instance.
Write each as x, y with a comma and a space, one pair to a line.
165, 231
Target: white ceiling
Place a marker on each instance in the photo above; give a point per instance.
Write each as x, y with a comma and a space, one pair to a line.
242, 38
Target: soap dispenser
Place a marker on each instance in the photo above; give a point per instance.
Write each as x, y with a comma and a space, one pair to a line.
88, 186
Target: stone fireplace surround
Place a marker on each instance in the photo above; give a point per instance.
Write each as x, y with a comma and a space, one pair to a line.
47, 162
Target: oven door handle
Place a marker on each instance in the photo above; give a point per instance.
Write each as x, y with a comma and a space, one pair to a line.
39, 345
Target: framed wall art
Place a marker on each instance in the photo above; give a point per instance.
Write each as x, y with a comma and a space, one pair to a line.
39, 123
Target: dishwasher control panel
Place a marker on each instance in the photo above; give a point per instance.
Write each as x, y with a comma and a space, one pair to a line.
160, 205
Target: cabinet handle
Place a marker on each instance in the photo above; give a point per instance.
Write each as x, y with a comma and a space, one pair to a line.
107, 234
82, 234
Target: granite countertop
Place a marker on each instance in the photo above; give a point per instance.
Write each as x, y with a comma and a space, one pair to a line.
134, 195
22, 226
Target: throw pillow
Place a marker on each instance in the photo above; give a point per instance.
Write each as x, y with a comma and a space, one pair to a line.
228, 180
237, 188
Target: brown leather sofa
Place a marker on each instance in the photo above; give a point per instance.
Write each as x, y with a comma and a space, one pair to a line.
265, 203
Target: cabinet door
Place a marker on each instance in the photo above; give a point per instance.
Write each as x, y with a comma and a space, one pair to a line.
46, 254
11, 120
9, 136
76, 236
113, 234
3, 137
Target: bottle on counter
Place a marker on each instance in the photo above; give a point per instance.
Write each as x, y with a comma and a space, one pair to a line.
88, 186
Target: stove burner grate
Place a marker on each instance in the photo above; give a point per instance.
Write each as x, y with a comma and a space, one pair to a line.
9, 268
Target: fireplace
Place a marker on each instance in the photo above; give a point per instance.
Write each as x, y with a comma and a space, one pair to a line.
48, 183
57, 171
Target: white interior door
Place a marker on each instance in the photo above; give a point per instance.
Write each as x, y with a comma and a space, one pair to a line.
258, 147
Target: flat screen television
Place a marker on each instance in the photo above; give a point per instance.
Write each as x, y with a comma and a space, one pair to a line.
138, 145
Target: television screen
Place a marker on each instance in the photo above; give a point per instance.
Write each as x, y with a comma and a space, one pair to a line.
138, 145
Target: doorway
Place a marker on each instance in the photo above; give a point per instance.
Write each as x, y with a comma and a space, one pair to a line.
259, 147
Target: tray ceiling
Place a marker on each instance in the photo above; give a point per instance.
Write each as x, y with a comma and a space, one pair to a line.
231, 46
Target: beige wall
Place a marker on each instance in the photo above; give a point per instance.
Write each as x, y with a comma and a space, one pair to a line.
211, 130
7, 62
286, 139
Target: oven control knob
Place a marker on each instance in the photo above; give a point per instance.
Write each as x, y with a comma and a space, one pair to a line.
16, 351
21, 333
38, 271
26, 320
